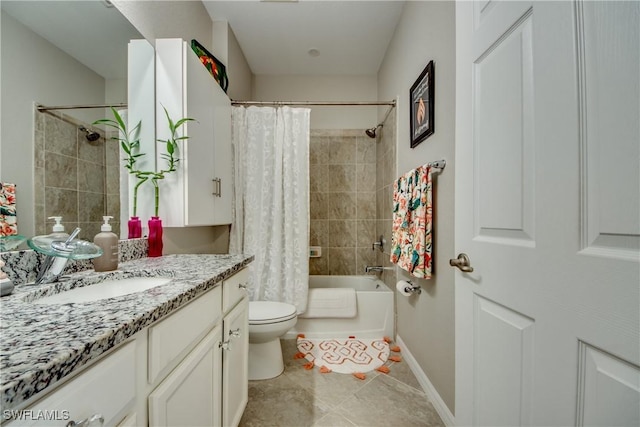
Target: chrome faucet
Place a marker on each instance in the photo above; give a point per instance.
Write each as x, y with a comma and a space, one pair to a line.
59, 252
57, 255
376, 268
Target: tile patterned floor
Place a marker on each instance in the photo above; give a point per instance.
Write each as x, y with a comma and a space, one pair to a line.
308, 398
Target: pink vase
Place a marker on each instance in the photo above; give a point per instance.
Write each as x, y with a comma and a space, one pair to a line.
135, 228
155, 236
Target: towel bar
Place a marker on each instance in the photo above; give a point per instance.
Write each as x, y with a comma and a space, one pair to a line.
438, 164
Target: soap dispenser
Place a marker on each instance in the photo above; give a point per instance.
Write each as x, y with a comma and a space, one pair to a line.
58, 229
58, 234
108, 241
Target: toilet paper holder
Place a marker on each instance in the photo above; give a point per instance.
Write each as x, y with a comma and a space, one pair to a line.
414, 289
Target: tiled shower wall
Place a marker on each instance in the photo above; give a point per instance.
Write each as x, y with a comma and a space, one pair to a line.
385, 176
343, 201
74, 178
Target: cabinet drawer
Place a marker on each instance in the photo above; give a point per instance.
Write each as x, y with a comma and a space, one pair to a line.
233, 289
108, 388
172, 338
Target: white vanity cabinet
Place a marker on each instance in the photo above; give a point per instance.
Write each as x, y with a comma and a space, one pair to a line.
201, 380
199, 192
188, 369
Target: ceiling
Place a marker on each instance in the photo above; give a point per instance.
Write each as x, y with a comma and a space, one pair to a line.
90, 31
351, 37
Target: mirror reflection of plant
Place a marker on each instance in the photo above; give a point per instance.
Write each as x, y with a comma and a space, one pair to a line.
130, 143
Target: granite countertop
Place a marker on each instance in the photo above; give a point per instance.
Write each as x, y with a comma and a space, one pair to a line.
41, 344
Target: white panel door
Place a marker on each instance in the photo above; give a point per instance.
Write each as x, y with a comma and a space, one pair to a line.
548, 211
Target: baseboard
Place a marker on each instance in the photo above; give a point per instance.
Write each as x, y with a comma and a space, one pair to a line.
447, 417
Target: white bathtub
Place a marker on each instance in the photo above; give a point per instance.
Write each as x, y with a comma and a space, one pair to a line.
375, 315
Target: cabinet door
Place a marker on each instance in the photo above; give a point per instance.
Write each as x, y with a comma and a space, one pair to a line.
235, 367
170, 80
198, 151
222, 156
190, 395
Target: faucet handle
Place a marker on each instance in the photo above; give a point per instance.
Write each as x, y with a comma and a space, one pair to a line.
380, 244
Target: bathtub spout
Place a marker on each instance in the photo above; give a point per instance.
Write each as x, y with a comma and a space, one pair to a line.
375, 268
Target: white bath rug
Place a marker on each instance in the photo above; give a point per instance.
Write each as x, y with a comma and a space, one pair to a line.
345, 355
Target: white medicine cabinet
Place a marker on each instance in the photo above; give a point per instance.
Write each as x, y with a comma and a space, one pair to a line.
199, 192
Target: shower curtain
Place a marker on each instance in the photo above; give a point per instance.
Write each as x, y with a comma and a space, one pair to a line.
271, 203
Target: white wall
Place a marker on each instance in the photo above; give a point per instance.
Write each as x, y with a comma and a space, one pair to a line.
240, 75
169, 19
35, 71
228, 50
426, 31
324, 88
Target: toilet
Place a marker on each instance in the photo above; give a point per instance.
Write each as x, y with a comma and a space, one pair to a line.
268, 321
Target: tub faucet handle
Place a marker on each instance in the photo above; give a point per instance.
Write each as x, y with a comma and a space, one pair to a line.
380, 244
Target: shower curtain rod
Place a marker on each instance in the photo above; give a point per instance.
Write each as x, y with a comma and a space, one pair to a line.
78, 107
315, 103
275, 103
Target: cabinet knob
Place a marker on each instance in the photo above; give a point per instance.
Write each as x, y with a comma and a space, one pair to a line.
235, 333
87, 422
223, 345
242, 286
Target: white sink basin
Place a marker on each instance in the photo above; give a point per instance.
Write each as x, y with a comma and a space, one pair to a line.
104, 290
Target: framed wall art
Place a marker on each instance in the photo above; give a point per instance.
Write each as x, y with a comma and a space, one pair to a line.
421, 96
216, 68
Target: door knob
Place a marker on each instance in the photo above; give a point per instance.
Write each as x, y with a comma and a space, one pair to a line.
462, 262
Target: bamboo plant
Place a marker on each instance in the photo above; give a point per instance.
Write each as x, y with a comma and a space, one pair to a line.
129, 140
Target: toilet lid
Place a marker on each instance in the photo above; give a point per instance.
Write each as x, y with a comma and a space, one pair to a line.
261, 312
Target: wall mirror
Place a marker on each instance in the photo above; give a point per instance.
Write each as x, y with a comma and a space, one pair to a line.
63, 53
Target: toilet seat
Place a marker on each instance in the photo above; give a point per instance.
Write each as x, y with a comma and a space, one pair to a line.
266, 312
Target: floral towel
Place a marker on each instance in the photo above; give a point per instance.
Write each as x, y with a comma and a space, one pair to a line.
411, 247
8, 223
